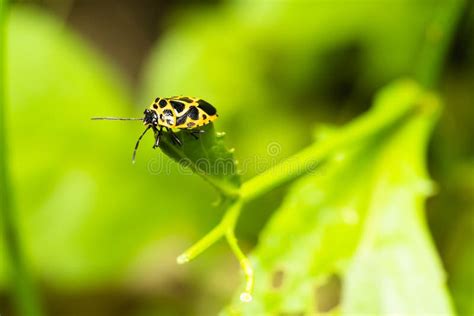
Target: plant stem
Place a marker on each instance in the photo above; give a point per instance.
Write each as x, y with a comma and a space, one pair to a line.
438, 37
228, 222
246, 295
308, 160
225, 227
23, 291
205, 242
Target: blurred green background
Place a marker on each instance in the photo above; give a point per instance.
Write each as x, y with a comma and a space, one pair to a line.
101, 235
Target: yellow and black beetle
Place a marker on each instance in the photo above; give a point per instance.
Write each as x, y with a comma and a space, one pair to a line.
176, 112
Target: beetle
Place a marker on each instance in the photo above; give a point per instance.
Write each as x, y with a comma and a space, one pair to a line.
179, 112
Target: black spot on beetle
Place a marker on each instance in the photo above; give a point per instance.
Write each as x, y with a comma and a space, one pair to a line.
155, 106
206, 107
178, 106
204, 116
190, 124
167, 112
186, 99
163, 103
181, 119
157, 99
193, 113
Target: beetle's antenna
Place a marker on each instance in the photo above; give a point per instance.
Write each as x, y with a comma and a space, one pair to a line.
138, 142
116, 119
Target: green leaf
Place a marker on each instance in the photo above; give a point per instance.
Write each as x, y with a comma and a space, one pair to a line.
206, 156
396, 269
364, 208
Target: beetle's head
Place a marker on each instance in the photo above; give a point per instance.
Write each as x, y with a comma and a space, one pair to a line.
151, 117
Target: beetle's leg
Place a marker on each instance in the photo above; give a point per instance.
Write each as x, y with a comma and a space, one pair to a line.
195, 133
157, 136
174, 138
138, 143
